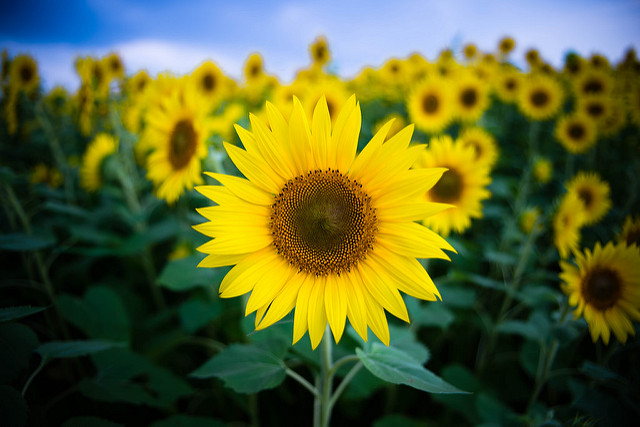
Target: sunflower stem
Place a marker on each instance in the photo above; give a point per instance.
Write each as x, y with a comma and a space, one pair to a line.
322, 408
306, 384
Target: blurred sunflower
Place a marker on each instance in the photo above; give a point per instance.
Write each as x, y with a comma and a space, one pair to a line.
576, 132
574, 65
93, 161
463, 185
176, 131
540, 97
334, 91
138, 84
113, 66
592, 82
530, 220
604, 286
594, 194
483, 143
597, 108
316, 228
630, 234
507, 84
253, 68
430, 105
319, 51
470, 95
567, 223
23, 73
398, 123
506, 45
469, 51
532, 56
43, 174
542, 170
208, 82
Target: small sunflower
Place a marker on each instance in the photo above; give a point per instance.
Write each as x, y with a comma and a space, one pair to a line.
574, 65
506, 45
530, 220
507, 83
567, 223
594, 194
469, 51
483, 143
253, 68
176, 131
92, 168
138, 84
596, 108
23, 73
471, 97
430, 105
114, 67
208, 81
532, 56
319, 51
318, 229
43, 174
541, 97
542, 170
630, 234
463, 185
593, 82
604, 286
576, 132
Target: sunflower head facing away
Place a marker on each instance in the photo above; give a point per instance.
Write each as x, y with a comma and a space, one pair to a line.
604, 286
316, 228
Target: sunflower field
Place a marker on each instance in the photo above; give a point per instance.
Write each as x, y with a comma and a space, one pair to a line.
445, 241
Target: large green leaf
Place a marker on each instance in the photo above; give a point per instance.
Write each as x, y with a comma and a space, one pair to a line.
183, 274
13, 313
244, 368
25, 242
195, 313
66, 349
396, 366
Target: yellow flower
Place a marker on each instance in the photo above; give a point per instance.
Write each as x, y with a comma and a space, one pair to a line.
542, 170
318, 229
92, 168
398, 123
541, 97
483, 143
209, 82
430, 105
507, 83
43, 174
576, 133
604, 286
594, 194
113, 66
319, 51
23, 73
470, 95
567, 223
506, 45
530, 220
463, 185
630, 234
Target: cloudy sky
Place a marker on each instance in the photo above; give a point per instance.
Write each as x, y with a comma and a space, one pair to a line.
160, 35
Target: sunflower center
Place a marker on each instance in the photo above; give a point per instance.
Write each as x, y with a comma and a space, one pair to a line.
254, 71
576, 131
430, 103
633, 237
26, 73
601, 288
510, 85
208, 83
593, 86
448, 189
183, 144
586, 196
539, 98
595, 110
323, 222
320, 53
469, 97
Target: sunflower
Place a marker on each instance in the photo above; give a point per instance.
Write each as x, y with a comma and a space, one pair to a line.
208, 82
576, 133
114, 67
567, 222
92, 168
592, 82
176, 131
471, 97
319, 51
253, 68
137, 85
596, 108
463, 185
630, 234
532, 56
604, 286
430, 105
483, 143
542, 170
43, 174
507, 84
23, 73
316, 228
574, 65
506, 45
541, 97
469, 51
334, 92
594, 194
530, 220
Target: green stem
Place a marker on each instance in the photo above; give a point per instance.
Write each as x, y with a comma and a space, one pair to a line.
327, 378
43, 361
345, 382
306, 384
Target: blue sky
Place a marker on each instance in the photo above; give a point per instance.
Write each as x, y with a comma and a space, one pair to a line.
176, 36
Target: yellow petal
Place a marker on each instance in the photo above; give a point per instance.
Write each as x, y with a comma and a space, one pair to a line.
321, 130
317, 316
241, 278
369, 152
300, 319
284, 302
356, 306
335, 302
412, 239
300, 137
234, 244
269, 285
376, 318
242, 188
213, 261
386, 294
271, 149
346, 142
253, 168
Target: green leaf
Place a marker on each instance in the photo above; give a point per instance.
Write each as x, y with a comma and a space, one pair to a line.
188, 421
66, 349
396, 366
89, 421
433, 313
13, 408
518, 327
404, 339
25, 242
196, 313
244, 368
183, 274
16, 345
18, 312
500, 258
100, 314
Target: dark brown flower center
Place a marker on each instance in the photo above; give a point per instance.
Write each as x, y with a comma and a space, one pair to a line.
586, 196
510, 84
595, 109
448, 189
26, 73
593, 86
183, 144
323, 223
320, 53
576, 131
430, 103
539, 98
469, 97
601, 288
208, 82
477, 147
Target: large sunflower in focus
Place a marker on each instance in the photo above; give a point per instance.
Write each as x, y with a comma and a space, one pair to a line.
540, 97
604, 286
318, 229
176, 130
463, 185
594, 194
430, 105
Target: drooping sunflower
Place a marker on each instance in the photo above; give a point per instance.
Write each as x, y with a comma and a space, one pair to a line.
567, 223
23, 73
576, 133
91, 169
176, 130
430, 105
463, 185
470, 96
630, 234
541, 97
604, 286
483, 143
318, 229
594, 194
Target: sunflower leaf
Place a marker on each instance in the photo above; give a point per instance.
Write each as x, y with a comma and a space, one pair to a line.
396, 366
13, 313
244, 368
